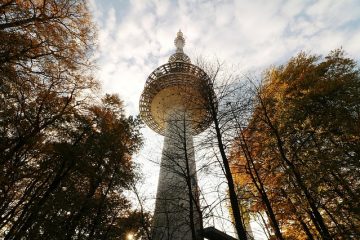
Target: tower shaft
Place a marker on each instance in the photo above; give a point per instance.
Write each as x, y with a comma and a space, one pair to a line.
177, 213
173, 104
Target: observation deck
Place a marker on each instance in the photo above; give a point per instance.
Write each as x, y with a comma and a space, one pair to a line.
177, 84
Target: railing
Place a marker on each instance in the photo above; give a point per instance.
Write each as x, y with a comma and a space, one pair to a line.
176, 74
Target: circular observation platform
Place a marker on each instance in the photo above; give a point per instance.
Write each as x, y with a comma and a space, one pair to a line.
177, 84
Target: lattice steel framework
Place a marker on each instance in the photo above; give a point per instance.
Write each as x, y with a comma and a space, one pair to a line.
192, 83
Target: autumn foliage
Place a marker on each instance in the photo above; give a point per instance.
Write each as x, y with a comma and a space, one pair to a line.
297, 160
64, 162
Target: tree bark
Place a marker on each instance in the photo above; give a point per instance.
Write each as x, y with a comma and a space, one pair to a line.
240, 229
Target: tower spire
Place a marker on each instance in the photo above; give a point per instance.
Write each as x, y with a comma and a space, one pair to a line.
179, 55
179, 42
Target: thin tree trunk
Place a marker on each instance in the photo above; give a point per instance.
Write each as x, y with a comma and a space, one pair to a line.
18, 234
324, 232
240, 229
76, 219
99, 208
298, 217
188, 180
257, 180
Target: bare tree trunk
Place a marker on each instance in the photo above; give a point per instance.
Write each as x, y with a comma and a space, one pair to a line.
240, 229
144, 223
324, 232
187, 176
298, 217
257, 180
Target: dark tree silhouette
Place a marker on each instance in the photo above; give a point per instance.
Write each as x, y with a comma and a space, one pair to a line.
64, 163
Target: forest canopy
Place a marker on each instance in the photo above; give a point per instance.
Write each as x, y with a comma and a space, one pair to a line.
297, 159
65, 155
289, 149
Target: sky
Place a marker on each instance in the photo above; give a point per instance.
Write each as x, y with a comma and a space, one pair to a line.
135, 37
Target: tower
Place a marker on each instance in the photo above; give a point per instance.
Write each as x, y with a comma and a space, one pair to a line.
174, 103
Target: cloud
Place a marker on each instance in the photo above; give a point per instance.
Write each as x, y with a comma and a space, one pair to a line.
137, 36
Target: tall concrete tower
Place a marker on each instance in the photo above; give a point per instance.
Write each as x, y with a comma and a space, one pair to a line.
174, 103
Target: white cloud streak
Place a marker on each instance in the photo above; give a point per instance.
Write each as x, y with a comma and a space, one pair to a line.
252, 34
137, 36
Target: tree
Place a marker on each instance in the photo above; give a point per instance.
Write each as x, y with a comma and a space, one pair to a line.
64, 163
221, 133
249, 174
96, 149
44, 68
106, 170
145, 216
303, 134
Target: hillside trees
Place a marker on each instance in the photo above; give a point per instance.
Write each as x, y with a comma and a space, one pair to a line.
44, 68
303, 138
64, 163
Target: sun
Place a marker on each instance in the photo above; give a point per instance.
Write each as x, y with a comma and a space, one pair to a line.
130, 236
